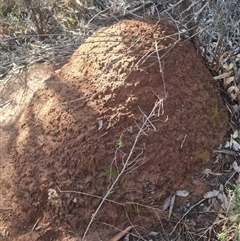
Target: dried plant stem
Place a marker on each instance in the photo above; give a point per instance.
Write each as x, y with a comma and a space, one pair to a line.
126, 163
196, 204
145, 126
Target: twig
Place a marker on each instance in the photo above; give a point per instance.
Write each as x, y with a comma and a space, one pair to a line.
230, 178
109, 200
126, 163
185, 214
183, 141
36, 223
124, 167
71, 101
229, 152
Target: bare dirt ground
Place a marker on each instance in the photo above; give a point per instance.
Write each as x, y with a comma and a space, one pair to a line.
80, 125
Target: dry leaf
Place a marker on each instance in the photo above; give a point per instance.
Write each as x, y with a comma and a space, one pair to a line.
226, 202
228, 81
236, 167
233, 92
182, 193
235, 134
171, 206
234, 145
215, 204
227, 144
152, 233
225, 66
220, 197
167, 202
211, 194
100, 124
220, 215
230, 66
4, 233
222, 76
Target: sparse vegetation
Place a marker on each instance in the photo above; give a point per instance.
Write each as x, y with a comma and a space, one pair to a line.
119, 142
109, 173
231, 218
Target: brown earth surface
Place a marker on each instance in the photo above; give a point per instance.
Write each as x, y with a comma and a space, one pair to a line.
77, 132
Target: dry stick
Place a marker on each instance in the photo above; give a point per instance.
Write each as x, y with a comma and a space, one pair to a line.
214, 224
150, 52
129, 220
185, 214
109, 200
124, 166
115, 159
154, 209
71, 101
161, 70
188, 17
142, 59
124, 15
101, 12
223, 33
200, 10
146, 122
230, 178
141, 130
155, 9
133, 168
228, 152
154, 128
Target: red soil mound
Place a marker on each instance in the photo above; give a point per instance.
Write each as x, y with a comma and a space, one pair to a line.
79, 128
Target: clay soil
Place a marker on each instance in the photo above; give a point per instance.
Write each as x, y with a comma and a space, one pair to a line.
78, 129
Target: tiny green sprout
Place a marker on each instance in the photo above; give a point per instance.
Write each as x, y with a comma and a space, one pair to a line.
119, 143
109, 172
221, 236
215, 112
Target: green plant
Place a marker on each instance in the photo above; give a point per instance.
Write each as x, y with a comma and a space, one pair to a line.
221, 236
109, 172
214, 112
237, 198
119, 142
204, 156
230, 227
